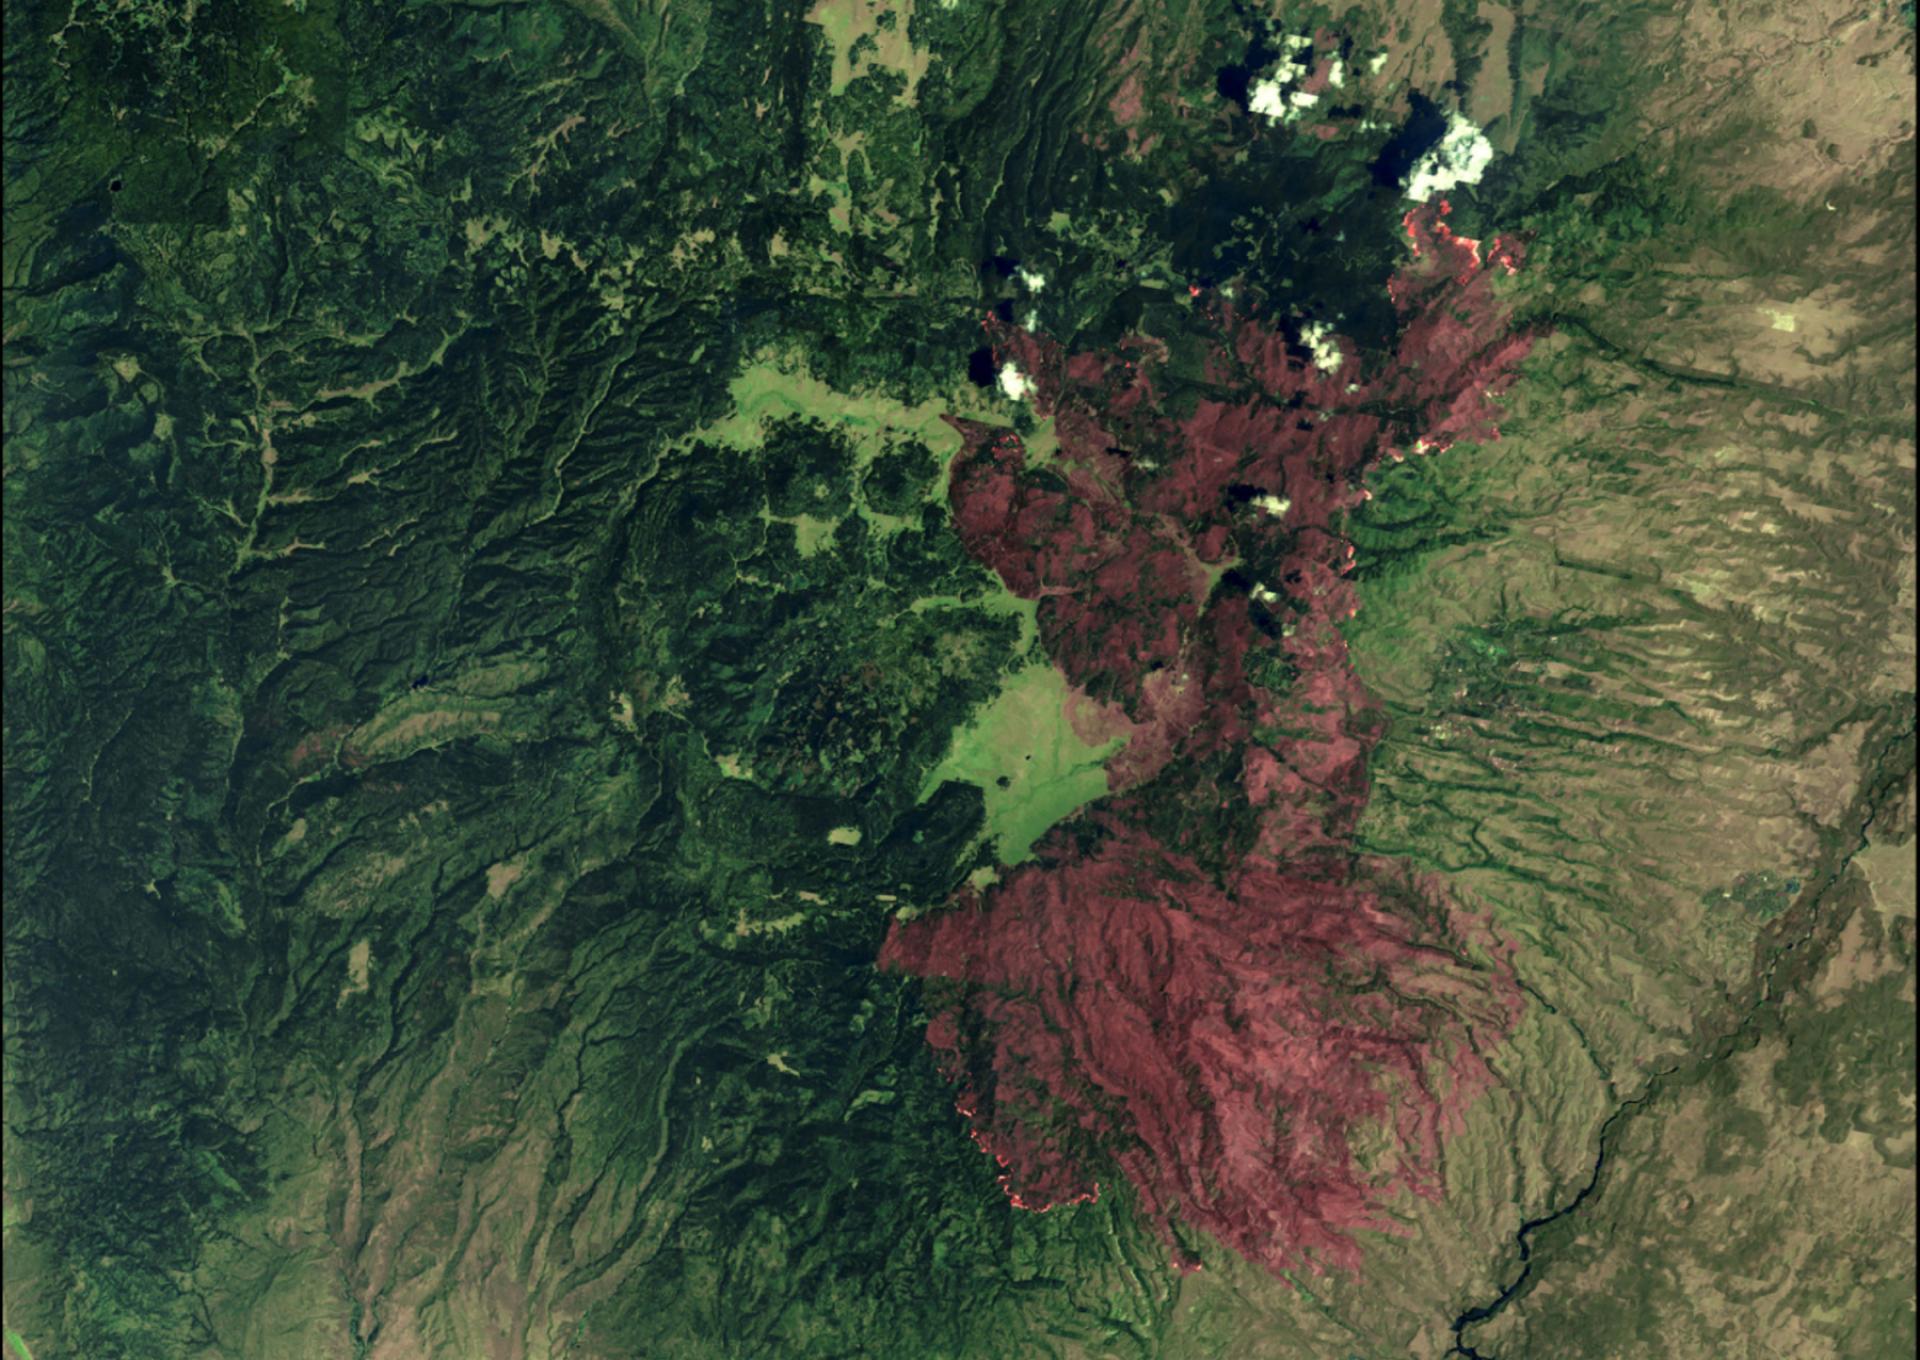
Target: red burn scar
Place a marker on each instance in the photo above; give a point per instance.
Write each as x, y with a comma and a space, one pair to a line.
1204, 986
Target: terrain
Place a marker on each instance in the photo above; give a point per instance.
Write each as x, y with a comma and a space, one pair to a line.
961, 678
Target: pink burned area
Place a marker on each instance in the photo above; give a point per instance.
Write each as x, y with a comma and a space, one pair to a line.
1213, 993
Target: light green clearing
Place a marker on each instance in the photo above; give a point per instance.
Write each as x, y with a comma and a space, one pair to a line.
1023, 736
1002, 601
844, 24
771, 388
810, 533
19, 1344
1041, 446
774, 387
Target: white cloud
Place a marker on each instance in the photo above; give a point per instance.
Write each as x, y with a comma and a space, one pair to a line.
1268, 98
1461, 158
1272, 504
1014, 383
1319, 339
1272, 98
1032, 279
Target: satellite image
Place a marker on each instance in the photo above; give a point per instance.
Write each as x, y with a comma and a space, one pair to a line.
959, 679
